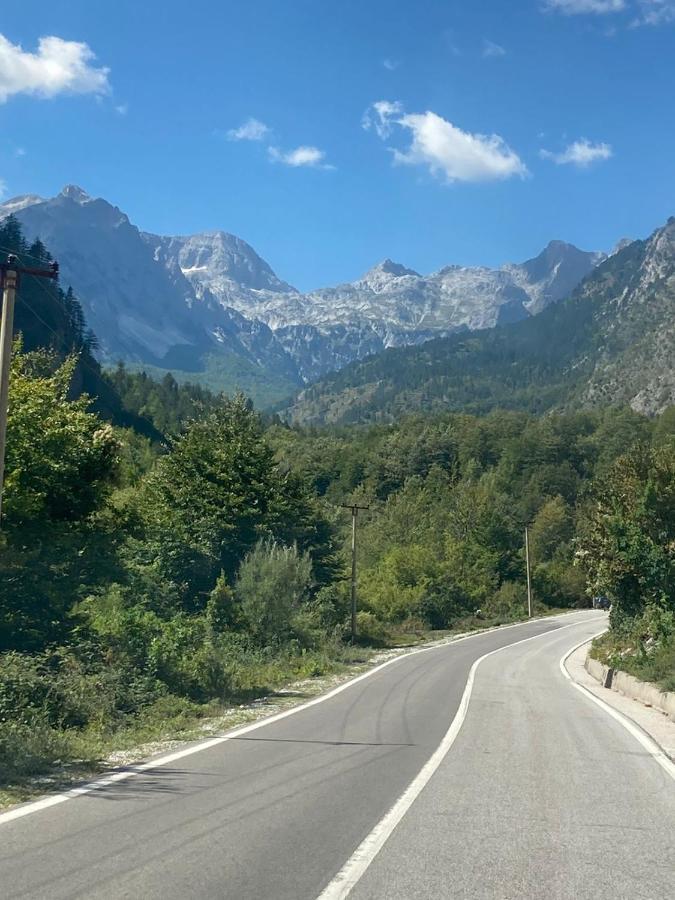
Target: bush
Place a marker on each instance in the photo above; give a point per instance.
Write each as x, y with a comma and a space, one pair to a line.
369, 629
272, 584
559, 584
28, 748
509, 602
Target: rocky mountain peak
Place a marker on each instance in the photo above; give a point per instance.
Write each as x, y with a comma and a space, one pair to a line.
147, 294
75, 193
621, 245
220, 262
554, 273
384, 273
660, 254
389, 267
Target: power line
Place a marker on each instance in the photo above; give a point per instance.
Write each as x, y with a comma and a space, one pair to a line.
81, 350
19, 253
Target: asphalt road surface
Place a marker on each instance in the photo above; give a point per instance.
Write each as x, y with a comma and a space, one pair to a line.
542, 795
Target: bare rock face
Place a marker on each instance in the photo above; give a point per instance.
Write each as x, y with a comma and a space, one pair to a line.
169, 300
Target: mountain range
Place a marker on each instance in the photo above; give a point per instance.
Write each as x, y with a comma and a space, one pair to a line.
208, 308
611, 342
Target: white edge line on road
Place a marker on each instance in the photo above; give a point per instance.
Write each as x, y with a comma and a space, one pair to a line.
645, 740
356, 866
27, 809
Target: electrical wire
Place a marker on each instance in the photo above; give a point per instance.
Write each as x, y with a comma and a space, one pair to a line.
82, 358
41, 259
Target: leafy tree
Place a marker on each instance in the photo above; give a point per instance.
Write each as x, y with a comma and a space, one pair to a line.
219, 491
551, 530
61, 460
208, 502
61, 464
628, 543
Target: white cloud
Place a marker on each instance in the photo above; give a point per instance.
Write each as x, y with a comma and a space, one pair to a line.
391, 64
583, 7
581, 153
251, 130
58, 67
448, 152
122, 109
19, 151
490, 49
645, 12
381, 116
656, 12
3, 189
309, 157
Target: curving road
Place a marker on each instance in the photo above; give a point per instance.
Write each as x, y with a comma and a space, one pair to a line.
542, 795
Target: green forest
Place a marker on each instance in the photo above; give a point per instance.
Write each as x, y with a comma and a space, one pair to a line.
171, 549
603, 345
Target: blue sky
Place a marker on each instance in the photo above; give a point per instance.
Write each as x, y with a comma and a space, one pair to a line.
331, 135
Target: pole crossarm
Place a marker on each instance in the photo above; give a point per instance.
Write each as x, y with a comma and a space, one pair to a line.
10, 266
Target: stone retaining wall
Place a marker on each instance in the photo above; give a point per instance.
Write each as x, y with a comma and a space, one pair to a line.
629, 686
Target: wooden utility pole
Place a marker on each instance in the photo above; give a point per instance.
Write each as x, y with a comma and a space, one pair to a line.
355, 511
9, 275
527, 569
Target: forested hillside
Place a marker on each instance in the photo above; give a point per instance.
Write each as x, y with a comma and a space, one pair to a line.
612, 341
144, 580
47, 316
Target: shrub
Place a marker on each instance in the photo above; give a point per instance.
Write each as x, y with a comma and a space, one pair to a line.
369, 629
509, 602
272, 584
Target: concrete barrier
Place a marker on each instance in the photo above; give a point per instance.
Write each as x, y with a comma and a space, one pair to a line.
629, 686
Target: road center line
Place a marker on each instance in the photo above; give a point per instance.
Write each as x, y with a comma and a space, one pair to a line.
131, 771
356, 866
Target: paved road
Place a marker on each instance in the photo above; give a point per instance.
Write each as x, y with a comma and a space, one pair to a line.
543, 796
537, 798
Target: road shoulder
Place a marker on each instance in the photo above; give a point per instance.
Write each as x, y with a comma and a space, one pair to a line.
655, 723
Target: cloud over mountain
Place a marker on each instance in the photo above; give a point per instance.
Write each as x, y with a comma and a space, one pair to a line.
449, 153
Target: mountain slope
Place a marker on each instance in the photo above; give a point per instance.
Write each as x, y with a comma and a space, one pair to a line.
612, 341
144, 310
47, 317
209, 307
391, 305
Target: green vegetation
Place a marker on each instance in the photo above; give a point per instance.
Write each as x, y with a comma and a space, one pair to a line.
628, 548
149, 575
611, 342
230, 372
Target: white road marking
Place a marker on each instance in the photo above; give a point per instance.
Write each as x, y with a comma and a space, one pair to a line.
645, 740
37, 805
356, 866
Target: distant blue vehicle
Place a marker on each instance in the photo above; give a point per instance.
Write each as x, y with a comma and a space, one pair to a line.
601, 603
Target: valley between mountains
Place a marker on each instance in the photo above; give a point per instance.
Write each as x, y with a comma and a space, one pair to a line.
209, 309
567, 329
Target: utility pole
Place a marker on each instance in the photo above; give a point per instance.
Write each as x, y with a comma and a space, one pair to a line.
9, 277
355, 511
527, 569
